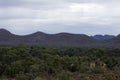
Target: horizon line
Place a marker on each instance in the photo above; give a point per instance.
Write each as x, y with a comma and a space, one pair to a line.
57, 33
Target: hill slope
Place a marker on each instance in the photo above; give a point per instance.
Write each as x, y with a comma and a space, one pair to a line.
61, 39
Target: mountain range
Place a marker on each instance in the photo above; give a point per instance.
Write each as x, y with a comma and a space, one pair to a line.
103, 37
60, 39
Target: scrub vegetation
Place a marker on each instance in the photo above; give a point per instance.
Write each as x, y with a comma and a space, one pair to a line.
59, 63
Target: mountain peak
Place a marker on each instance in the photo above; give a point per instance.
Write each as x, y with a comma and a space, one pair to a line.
38, 33
4, 32
118, 35
5, 35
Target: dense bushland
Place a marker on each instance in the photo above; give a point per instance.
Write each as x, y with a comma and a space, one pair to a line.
53, 63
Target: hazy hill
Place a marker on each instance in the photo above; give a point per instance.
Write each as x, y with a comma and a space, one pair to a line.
60, 39
103, 37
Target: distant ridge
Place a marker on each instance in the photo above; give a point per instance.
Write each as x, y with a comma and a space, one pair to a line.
4, 32
103, 37
60, 39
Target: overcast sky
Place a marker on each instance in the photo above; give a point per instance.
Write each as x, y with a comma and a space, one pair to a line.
53, 16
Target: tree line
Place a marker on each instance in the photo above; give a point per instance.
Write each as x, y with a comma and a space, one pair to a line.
59, 63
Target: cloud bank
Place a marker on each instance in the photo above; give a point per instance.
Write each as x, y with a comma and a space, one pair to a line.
54, 16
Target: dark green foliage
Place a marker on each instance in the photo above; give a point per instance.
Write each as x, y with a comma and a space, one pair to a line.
47, 63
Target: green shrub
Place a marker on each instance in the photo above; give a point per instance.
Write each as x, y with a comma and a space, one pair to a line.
22, 77
65, 76
39, 78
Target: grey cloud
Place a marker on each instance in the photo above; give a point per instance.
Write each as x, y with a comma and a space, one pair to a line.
80, 28
47, 4
9, 3
31, 3
93, 1
60, 15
